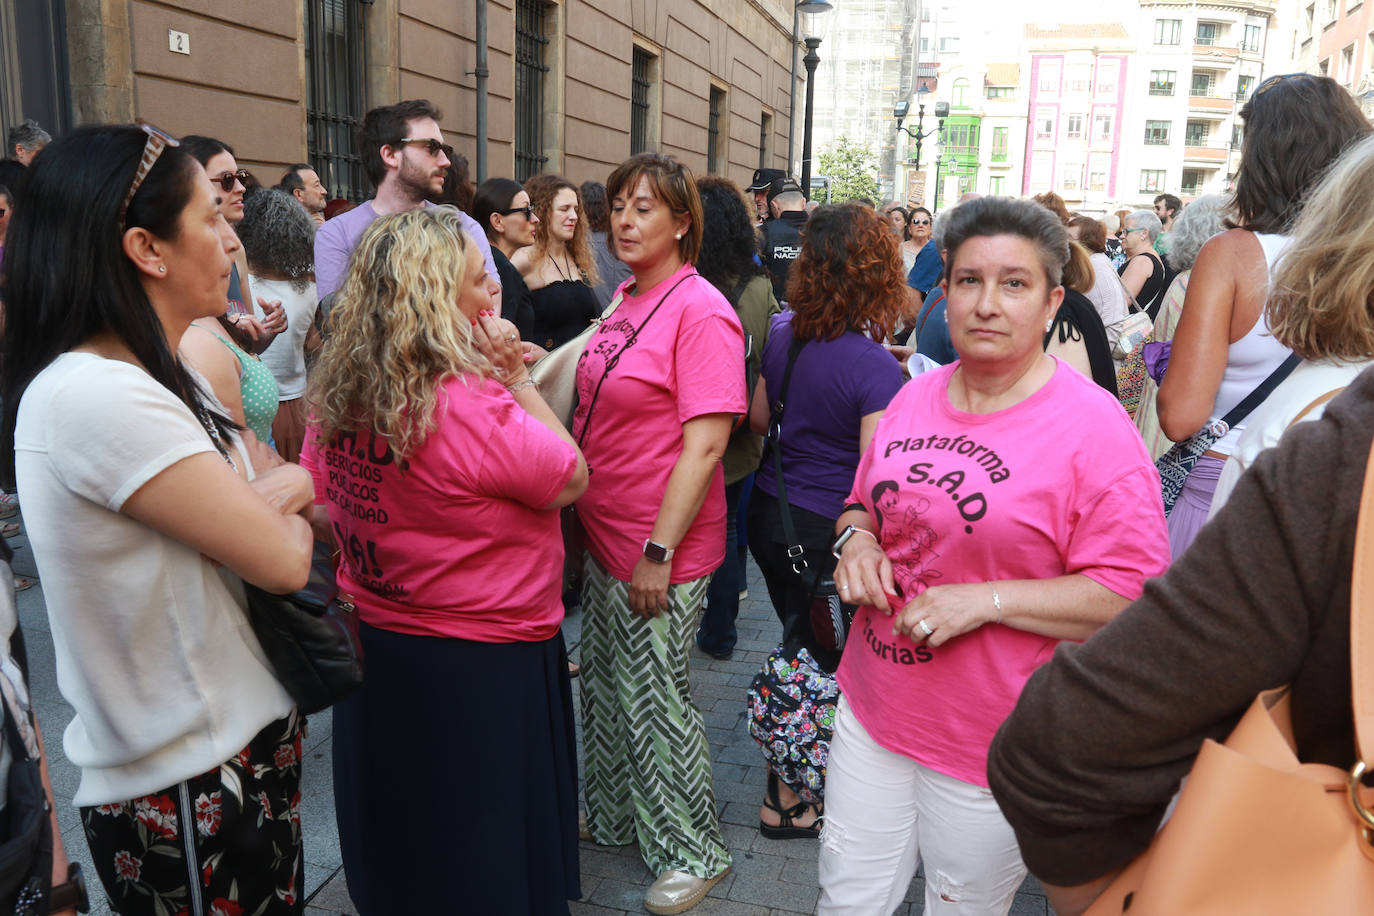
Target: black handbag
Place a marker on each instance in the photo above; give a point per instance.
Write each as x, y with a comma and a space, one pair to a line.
310, 637
26, 841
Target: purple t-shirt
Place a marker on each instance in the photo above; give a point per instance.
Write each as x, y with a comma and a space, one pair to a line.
336, 239
834, 384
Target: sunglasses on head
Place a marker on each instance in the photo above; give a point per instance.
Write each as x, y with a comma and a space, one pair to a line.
434, 147
527, 211
158, 140
226, 181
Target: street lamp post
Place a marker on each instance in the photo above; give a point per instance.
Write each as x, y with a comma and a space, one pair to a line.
810, 60
808, 8
939, 155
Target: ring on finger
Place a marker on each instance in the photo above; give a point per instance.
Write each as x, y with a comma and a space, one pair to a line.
925, 627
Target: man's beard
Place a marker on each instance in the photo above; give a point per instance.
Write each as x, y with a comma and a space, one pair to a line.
414, 180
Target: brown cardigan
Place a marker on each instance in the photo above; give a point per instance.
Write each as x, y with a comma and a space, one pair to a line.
1086, 764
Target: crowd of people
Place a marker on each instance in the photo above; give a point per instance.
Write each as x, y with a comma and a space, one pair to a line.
918, 426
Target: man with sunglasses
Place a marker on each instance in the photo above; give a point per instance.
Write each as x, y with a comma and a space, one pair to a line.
403, 153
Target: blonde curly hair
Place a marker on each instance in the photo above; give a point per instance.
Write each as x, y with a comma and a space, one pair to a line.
395, 334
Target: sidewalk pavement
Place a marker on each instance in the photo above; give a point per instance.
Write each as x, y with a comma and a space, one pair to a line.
768, 878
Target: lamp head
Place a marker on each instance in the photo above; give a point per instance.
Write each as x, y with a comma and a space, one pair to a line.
923, 93
814, 7
942, 109
899, 111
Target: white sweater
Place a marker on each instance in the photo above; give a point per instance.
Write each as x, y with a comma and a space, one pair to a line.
154, 650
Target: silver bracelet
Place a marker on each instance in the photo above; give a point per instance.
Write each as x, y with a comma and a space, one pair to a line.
997, 603
527, 383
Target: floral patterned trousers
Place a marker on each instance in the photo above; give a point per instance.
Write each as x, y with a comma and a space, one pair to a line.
224, 843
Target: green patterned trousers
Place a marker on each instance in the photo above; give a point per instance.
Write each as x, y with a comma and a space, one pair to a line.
647, 762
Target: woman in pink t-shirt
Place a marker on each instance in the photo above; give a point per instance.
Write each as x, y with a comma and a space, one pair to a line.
1006, 503
659, 386
442, 471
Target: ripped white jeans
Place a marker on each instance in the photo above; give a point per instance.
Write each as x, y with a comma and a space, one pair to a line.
885, 813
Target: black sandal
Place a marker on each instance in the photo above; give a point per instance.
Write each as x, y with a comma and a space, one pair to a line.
785, 829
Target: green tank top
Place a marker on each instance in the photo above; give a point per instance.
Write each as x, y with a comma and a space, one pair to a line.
258, 388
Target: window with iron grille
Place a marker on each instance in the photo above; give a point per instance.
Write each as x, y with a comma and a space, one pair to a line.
641, 67
1157, 133
714, 153
334, 101
1195, 134
530, 45
765, 135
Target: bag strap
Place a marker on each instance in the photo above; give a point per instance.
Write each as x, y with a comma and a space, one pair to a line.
1362, 621
614, 360
1314, 405
789, 530
1266, 388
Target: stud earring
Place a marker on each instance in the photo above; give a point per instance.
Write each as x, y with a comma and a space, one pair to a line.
678, 236
161, 269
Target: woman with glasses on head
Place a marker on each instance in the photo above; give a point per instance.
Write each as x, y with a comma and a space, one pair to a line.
1144, 274
659, 386
1295, 128
502, 208
190, 749
559, 268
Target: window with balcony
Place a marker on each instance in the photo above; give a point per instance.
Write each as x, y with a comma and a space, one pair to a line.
1251, 41
1157, 133
1151, 180
1208, 33
1044, 124
1168, 31
1195, 133
961, 139
1073, 127
1244, 86
1193, 181
1107, 71
1102, 127
999, 144
1049, 76
1162, 82
1098, 169
1203, 81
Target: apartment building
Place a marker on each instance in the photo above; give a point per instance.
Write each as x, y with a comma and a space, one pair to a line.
984, 135
1331, 37
1078, 79
574, 86
1198, 65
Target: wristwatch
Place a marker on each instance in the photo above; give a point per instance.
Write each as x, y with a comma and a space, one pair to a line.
850, 530
71, 893
657, 552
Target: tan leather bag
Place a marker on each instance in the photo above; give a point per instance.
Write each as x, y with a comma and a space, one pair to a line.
556, 374
1256, 831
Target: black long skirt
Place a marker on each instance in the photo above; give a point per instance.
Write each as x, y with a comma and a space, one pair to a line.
455, 778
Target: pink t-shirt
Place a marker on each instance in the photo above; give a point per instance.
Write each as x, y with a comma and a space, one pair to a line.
1056, 485
453, 541
647, 379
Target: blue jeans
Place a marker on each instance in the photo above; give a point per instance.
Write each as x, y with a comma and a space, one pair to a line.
716, 634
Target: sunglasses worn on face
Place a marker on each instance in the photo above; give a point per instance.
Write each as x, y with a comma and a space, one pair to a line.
435, 147
226, 181
158, 140
2, 213
527, 211
920, 222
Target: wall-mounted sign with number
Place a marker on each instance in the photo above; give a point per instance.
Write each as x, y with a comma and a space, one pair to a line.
178, 42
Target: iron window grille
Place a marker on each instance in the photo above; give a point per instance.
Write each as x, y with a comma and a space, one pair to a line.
335, 62
531, 41
640, 68
713, 156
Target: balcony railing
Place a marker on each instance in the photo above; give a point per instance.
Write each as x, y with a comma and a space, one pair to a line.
1209, 154
1216, 104
1215, 53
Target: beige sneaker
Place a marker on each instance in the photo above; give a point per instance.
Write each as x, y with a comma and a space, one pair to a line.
678, 891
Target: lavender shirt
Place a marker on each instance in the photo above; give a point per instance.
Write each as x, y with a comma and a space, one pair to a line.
336, 239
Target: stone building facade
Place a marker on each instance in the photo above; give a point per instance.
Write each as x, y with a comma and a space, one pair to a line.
572, 86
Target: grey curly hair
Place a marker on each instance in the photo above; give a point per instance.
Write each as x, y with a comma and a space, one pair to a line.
278, 236
1194, 225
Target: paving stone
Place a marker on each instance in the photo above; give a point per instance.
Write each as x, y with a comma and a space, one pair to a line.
767, 892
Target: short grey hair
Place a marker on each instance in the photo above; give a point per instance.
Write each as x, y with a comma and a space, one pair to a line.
1145, 219
1194, 225
278, 234
27, 134
988, 216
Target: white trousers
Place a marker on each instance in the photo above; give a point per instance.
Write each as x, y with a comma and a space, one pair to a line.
886, 813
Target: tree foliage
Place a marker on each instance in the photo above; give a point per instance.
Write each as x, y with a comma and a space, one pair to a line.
853, 170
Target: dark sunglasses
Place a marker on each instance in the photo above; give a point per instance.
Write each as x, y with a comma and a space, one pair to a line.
158, 140
435, 147
2, 212
226, 181
528, 211
920, 222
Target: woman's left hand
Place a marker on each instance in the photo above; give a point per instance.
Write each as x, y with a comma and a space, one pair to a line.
649, 588
948, 611
498, 340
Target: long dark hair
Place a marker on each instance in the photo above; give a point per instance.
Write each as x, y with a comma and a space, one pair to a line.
493, 196
1296, 126
73, 194
727, 237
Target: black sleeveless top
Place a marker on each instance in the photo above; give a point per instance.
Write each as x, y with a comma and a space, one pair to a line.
1077, 319
562, 310
1155, 286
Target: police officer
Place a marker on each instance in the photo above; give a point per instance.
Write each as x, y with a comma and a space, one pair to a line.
782, 233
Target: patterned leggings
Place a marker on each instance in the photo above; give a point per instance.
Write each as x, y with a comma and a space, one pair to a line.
236, 829
647, 762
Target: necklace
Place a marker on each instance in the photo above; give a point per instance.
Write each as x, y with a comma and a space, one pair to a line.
559, 268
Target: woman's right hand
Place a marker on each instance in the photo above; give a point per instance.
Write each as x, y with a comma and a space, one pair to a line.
864, 574
498, 340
